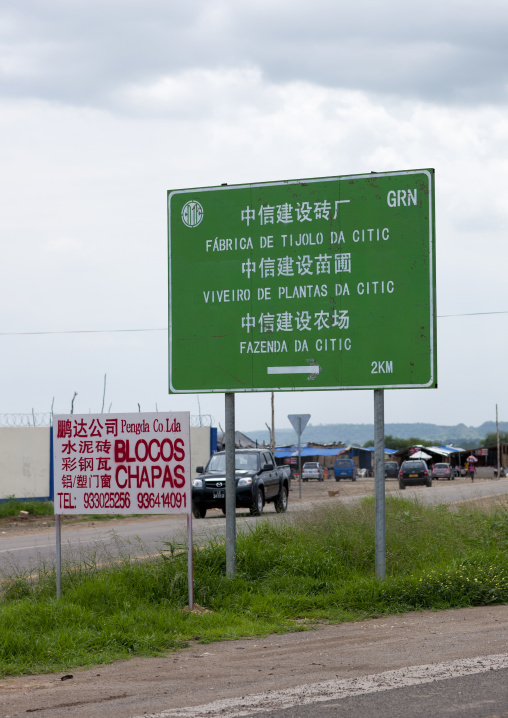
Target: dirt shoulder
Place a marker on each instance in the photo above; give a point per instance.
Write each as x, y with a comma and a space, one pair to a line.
203, 673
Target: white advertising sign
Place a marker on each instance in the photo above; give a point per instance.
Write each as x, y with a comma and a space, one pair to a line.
122, 463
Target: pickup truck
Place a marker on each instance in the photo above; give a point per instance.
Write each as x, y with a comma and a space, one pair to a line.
258, 481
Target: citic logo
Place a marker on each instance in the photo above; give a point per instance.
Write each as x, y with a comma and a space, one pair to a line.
192, 213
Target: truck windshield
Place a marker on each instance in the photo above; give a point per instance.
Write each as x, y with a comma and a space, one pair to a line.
243, 462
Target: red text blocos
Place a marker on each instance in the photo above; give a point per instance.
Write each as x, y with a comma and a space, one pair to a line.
154, 450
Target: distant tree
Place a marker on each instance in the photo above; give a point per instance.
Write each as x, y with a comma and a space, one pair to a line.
394, 442
491, 439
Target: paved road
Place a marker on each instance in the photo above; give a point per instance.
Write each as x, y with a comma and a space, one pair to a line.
444, 492
103, 542
481, 690
481, 695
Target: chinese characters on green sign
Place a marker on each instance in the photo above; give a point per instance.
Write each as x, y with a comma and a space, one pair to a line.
310, 284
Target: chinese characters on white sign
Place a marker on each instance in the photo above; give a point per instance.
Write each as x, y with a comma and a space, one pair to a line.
123, 463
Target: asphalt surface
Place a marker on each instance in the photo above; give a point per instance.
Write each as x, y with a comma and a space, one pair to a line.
27, 549
481, 695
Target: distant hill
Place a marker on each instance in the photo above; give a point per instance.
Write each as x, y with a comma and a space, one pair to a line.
459, 435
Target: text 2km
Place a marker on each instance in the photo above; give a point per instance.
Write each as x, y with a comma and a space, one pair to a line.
381, 367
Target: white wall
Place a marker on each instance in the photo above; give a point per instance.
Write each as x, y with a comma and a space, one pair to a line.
24, 462
200, 447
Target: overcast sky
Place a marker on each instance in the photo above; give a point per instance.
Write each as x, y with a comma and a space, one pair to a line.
104, 106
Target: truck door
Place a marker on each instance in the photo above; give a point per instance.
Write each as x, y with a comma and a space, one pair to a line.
270, 478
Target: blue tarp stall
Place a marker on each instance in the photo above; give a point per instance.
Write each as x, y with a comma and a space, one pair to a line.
453, 449
364, 454
307, 451
314, 451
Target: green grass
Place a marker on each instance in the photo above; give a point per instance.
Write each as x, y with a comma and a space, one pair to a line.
12, 507
289, 576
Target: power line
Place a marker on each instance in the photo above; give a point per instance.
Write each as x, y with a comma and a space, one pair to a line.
165, 329
84, 331
471, 314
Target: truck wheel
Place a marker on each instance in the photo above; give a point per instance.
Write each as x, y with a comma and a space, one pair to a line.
259, 502
281, 501
199, 512
402, 485
337, 478
353, 478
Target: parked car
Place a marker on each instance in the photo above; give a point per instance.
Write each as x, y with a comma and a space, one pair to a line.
414, 472
258, 481
313, 470
345, 469
443, 471
391, 469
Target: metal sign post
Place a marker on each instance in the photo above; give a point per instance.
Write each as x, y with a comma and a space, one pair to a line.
230, 485
58, 530
379, 482
299, 422
300, 479
190, 561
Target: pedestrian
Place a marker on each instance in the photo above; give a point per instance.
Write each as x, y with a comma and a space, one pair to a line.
471, 470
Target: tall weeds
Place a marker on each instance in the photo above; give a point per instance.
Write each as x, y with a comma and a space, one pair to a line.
290, 573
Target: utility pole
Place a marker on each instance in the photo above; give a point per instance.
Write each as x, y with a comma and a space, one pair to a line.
272, 433
498, 462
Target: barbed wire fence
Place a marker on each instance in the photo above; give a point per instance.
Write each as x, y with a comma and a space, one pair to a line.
46, 419
20, 420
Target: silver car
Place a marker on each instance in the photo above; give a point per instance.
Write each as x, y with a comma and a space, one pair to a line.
443, 471
312, 470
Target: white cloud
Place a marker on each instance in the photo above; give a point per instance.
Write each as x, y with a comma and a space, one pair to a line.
64, 246
88, 53
136, 98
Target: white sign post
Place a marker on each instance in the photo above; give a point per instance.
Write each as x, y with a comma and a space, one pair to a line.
122, 464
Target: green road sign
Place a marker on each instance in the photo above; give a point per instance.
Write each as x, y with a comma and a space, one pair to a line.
304, 284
